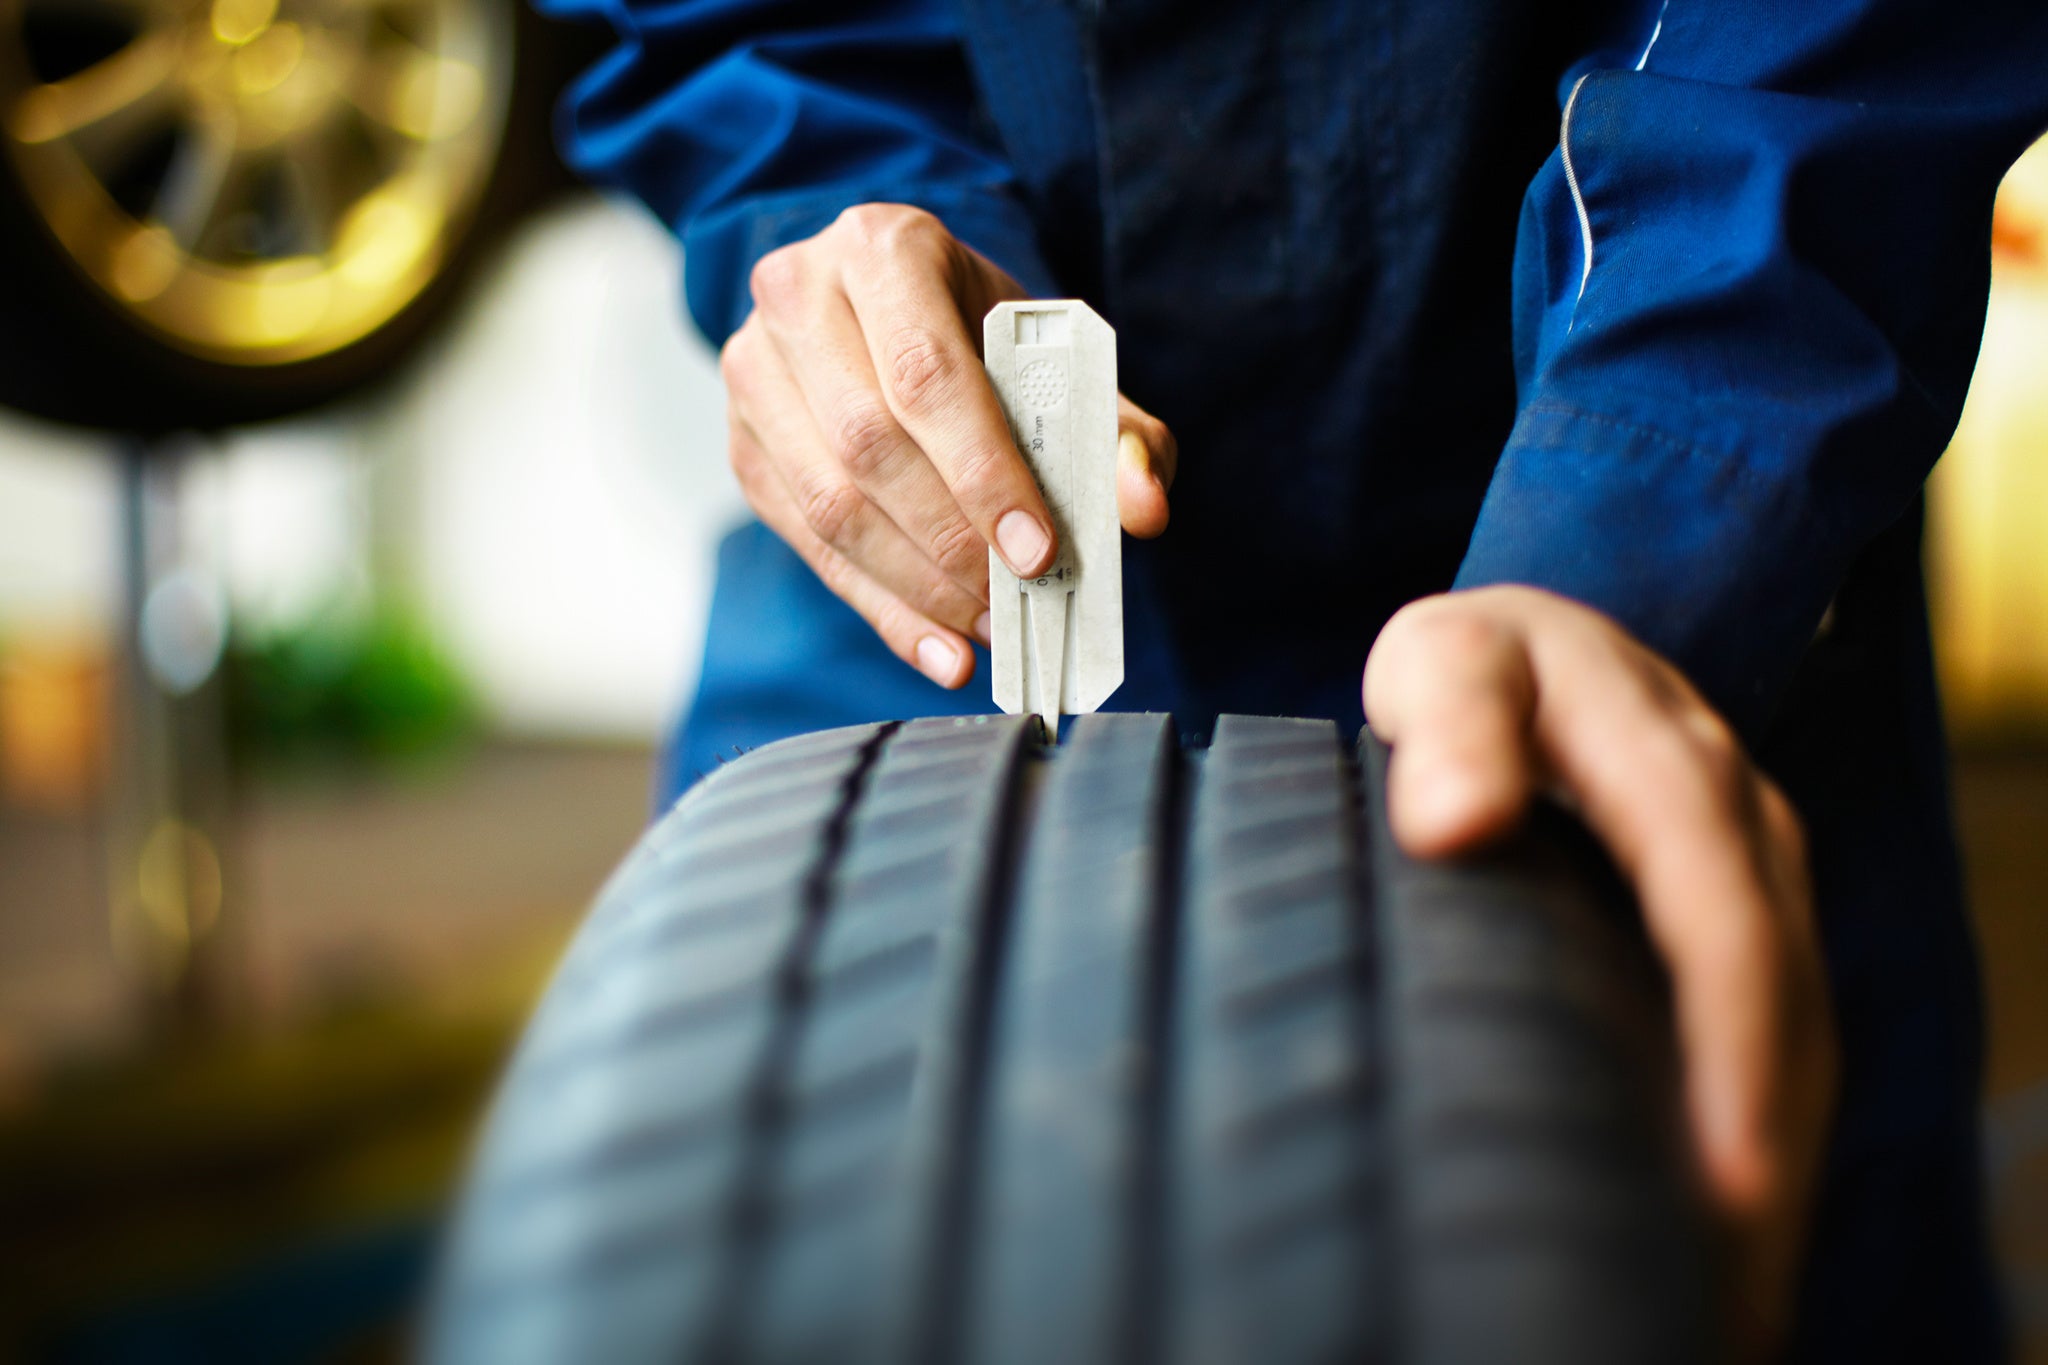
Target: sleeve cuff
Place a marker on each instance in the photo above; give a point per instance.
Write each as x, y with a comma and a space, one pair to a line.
1724, 572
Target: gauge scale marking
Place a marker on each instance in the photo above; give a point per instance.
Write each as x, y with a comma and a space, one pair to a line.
1057, 640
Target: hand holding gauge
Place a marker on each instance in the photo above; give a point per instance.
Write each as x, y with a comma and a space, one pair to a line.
864, 432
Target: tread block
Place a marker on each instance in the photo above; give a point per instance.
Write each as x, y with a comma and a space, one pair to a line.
1274, 1132
1057, 1181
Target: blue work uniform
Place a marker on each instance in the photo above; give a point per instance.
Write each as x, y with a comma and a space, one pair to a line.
1668, 307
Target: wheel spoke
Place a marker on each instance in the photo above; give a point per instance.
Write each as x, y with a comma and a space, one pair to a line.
188, 203
106, 108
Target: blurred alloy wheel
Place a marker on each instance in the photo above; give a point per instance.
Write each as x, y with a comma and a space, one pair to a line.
243, 198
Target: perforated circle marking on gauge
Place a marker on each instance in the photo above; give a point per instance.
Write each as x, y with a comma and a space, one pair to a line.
1043, 383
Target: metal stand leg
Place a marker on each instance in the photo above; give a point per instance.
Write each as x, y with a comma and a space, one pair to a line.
168, 884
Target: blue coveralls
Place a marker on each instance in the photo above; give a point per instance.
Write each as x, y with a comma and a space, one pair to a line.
1685, 352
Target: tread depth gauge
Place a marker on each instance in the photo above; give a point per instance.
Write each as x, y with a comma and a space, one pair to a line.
1058, 639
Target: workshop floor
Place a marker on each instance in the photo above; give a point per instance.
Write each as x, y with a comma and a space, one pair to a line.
394, 931
267, 1188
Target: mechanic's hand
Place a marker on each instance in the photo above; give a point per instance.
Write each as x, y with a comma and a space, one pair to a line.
1490, 695
864, 431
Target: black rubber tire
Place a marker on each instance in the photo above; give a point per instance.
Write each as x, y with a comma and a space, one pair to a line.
927, 1043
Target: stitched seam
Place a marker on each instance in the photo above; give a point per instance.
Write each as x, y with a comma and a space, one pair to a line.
1722, 460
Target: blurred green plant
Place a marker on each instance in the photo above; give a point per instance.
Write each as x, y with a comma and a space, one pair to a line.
344, 688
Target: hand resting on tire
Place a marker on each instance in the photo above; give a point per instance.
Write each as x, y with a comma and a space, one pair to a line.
1490, 695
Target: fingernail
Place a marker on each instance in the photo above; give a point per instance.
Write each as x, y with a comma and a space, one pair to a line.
937, 659
982, 629
1023, 542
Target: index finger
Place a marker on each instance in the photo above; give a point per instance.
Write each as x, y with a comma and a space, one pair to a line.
931, 374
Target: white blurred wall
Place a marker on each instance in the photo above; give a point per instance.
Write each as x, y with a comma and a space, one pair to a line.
58, 573
569, 452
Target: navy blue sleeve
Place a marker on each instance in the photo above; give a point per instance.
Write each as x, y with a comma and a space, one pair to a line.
749, 124
1750, 286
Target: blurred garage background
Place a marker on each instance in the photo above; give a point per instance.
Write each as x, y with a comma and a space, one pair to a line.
359, 484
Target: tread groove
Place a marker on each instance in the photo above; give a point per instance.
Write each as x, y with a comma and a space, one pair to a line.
916, 917
763, 1118
933, 1335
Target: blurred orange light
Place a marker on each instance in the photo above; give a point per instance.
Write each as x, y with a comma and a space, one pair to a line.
1988, 538
53, 728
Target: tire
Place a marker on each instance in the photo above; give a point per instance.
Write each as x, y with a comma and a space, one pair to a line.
923, 1042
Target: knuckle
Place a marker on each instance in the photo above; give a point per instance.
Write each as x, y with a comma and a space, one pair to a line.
956, 546
740, 456
861, 221
830, 508
736, 358
1709, 730
1666, 687
1457, 638
893, 621
923, 371
913, 231
1397, 636
777, 278
981, 467
1722, 763
1154, 433
864, 436
911, 220
837, 576
1403, 621
888, 227
1781, 819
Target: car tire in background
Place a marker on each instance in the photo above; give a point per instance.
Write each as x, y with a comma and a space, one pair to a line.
220, 211
926, 1042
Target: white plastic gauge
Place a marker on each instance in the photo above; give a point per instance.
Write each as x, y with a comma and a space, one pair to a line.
1058, 639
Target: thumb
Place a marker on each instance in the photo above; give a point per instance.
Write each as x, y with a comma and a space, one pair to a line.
1147, 457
